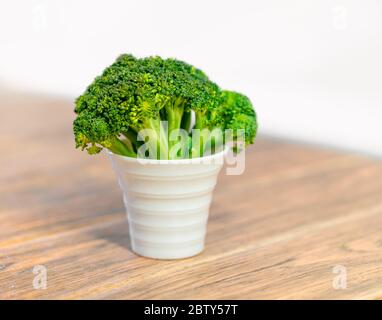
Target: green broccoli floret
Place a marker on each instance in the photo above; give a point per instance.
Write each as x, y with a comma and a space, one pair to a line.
152, 93
92, 133
234, 112
239, 113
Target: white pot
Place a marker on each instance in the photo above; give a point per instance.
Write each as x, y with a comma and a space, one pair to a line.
167, 203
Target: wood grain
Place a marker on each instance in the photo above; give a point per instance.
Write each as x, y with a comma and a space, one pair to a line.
275, 232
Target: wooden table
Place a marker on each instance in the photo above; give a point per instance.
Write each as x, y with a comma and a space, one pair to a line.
297, 216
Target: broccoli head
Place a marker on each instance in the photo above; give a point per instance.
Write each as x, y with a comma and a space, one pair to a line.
160, 95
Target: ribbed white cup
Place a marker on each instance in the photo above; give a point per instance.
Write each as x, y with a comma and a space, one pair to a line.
167, 203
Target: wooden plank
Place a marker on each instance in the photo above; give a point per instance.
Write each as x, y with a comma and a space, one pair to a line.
275, 232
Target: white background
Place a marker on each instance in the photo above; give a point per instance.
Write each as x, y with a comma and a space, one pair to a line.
313, 69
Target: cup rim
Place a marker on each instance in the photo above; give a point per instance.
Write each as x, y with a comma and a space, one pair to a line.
207, 159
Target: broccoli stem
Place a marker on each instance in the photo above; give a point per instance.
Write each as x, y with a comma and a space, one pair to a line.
128, 144
199, 141
157, 138
131, 135
200, 117
174, 113
186, 121
117, 146
214, 140
174, 118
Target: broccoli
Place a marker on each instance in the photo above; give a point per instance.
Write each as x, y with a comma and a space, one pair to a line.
138, 102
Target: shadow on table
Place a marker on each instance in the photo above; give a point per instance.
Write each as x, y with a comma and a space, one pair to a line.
117, 233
